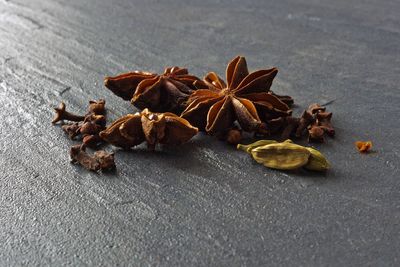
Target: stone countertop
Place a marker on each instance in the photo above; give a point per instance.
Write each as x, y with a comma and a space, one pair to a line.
203, 203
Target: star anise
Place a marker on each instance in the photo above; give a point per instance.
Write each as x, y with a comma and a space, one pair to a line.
166, 92
246, 98
133, 129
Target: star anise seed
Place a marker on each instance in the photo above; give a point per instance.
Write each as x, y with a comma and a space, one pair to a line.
160, 93
133, 129
215, 106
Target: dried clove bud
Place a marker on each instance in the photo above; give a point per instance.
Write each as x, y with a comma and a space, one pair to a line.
97, 107
62, 114
78, 155
315, 108
101, 160
105, 159
316, 134
96, 119
92, 141
324, 121
72, 129
363, 146
306, 119
234, 136
89, 128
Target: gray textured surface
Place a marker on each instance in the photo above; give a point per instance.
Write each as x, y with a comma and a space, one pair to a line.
203, 203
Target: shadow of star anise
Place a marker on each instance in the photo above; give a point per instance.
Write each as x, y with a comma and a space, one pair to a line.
160, 93
246, 98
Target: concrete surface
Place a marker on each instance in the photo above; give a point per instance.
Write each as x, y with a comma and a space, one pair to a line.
202, 204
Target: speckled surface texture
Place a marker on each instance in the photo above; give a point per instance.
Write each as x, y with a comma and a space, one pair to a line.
204, 203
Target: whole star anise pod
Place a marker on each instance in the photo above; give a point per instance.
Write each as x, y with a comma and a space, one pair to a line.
133, 129
160, 93
245, 98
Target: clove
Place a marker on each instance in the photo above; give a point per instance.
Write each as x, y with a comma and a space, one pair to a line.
316, 134
72, 129
324, 121
97, 107
234, 136
105, 159
78, 155
62, 114
101, 160
92, 141
306, 119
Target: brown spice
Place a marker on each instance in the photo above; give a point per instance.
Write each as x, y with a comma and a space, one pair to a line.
62, 114
324, 121
288, 100
306, 119
316, 134
101, 160
78, 155
215, 106
105, 159
234, 136
166, 92
97, 107
133, 129
72, 129
292, 124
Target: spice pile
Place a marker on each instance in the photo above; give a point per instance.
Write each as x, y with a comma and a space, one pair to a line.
176, 105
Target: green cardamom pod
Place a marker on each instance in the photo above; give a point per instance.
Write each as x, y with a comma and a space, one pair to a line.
248, 148
282, 156
317, 161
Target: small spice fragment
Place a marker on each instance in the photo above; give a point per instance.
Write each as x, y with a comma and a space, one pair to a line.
62, 114
163, 128
363, 146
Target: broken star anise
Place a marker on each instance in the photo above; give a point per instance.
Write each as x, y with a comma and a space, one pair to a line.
133, 129
245, 99
160, 93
